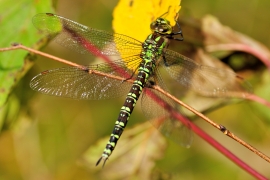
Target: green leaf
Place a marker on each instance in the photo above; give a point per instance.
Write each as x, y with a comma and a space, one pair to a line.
16, 27
262, 90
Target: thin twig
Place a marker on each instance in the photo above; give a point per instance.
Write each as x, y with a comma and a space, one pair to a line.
219, 127
222, 149
181, 118
20, 46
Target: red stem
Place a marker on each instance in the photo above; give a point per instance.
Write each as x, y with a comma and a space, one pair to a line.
219, 147
205, 136
242, 47
95, 51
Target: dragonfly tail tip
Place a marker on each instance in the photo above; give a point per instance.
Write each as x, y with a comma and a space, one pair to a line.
104, 159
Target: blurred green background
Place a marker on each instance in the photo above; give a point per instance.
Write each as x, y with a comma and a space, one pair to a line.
45, 137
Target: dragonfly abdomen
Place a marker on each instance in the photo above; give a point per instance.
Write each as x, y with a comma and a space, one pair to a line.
151, 51
125, 113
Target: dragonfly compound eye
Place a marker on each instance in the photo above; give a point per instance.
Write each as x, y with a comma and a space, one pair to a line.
161, 26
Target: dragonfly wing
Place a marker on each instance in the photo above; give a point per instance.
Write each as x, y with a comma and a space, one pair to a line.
208, 81
84, 39
158, 109
82, 83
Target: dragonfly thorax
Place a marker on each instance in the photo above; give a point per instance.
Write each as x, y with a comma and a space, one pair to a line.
152, 46
161, 26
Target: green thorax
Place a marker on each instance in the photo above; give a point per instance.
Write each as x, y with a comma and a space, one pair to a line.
155, 42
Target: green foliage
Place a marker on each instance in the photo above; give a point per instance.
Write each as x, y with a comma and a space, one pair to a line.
16, 27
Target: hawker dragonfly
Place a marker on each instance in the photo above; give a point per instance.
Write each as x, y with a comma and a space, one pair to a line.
137, 61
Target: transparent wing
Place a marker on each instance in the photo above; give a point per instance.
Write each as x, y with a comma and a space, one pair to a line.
84, 39
80, 83
208, 81
158, 109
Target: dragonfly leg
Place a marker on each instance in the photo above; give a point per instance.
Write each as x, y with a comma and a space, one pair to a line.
179, 32
165, 62
132, 75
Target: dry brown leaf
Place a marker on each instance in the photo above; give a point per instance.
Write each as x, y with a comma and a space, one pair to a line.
134, 156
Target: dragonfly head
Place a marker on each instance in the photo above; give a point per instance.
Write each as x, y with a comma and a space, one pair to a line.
161, 26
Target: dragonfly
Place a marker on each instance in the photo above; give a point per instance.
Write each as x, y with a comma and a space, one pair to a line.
138, 61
